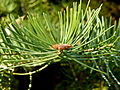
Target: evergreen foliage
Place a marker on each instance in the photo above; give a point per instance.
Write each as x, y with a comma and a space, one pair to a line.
95, 43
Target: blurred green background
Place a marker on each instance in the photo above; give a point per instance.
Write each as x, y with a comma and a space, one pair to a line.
22, 7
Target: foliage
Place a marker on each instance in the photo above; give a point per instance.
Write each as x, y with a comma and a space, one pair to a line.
94, 39
7, 6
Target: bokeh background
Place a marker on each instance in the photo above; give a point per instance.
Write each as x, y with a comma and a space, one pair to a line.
22, 7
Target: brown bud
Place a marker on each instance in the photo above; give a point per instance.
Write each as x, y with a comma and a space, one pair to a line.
61, 46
